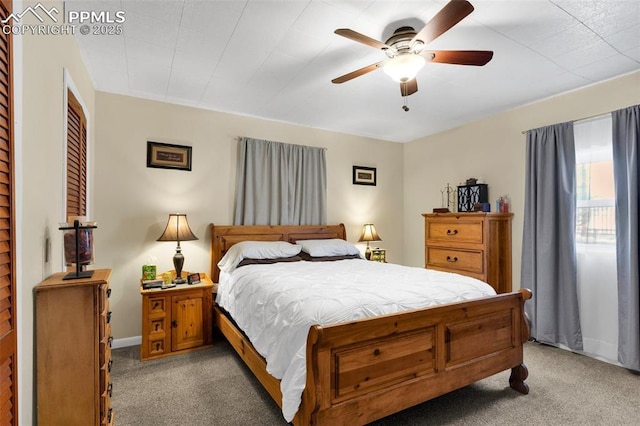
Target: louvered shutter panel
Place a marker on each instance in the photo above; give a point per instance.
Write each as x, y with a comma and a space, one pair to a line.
8, 334
76, 158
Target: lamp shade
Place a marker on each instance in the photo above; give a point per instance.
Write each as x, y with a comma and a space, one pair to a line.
404, 67
177, 229
369, 233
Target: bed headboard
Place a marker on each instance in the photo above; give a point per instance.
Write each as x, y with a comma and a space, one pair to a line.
223, 237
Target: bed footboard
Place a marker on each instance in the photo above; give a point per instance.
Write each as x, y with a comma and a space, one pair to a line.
368, 369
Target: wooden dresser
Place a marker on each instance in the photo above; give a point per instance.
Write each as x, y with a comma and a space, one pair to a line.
73, 350
177, 320
473, 244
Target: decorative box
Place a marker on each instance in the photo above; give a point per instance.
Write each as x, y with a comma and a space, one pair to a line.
148, 272
469, 195
379, 255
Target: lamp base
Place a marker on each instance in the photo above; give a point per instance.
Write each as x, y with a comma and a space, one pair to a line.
77, 275
178, 261
367, 253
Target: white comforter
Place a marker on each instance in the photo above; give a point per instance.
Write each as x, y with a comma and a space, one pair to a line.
275, 305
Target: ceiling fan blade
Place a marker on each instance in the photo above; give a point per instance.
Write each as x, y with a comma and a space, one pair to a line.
409, 88
358, 73
459, 57
454, 12
361, 38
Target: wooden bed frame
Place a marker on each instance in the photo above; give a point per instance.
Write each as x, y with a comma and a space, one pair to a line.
364, 370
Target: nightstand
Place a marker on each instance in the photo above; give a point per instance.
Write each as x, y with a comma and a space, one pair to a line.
176, 320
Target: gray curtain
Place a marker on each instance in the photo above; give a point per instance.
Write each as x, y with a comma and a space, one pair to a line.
626, 133
548, 245
280, 184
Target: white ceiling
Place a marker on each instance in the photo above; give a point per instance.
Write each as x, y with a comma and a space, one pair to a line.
276, 59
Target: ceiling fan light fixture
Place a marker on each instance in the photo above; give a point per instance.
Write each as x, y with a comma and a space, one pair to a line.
404, 67
417, 46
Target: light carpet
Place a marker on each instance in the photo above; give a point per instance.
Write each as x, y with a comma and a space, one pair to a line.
213, 387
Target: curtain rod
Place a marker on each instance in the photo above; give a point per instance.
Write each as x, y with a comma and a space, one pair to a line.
577, 119
239, 138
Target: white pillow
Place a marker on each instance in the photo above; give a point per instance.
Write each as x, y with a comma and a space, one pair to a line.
256, 250
328, 247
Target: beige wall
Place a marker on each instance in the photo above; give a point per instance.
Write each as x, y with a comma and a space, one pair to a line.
133, 201
494, 149
41, 122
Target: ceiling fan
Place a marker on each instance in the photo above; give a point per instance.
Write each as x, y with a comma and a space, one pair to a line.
405, 49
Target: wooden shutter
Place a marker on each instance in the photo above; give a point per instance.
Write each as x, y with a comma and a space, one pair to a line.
8, 303
76, 158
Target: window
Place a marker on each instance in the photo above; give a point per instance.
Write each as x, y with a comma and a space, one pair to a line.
595, 237
595, 200
76, 158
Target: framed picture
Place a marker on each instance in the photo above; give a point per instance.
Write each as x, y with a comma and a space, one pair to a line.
364, 175
168, 156
193, 278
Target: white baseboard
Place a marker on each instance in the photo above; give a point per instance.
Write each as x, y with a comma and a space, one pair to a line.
127, 341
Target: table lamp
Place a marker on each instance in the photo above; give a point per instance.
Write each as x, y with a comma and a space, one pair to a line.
177, 230
369, 234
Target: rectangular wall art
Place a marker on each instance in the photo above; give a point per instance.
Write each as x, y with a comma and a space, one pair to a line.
168, 156
364, 175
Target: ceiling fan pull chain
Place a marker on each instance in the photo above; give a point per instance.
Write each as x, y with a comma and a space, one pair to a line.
405, 107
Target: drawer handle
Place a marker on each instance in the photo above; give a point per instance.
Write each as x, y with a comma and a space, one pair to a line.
110, 389
109, 365
108, 292
108, 317
450, 232
452, 259
174, 324
110, 340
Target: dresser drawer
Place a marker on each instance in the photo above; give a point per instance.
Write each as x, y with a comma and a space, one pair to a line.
454, 260
105, 377
105, 324
455, 231
107, 419
103, 296
105, 404
105, 349
104, 308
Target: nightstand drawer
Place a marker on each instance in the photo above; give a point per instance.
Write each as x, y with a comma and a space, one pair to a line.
455, 260
157, 306
455, 231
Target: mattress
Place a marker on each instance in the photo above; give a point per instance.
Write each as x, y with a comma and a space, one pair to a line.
275, 305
